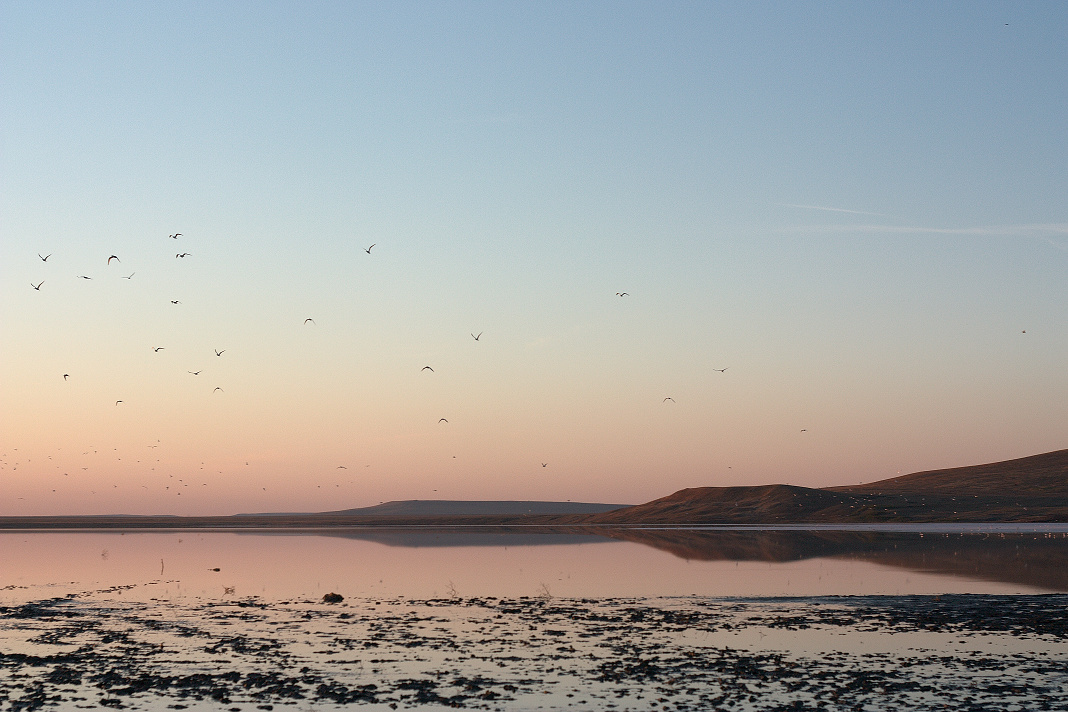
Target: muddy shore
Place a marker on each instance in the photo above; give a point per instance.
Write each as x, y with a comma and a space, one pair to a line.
102, 648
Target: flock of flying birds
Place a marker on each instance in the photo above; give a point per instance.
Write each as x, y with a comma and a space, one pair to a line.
175, 485
115, 260
309, 320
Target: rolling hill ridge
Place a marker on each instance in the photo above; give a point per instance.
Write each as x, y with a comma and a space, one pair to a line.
1028, 489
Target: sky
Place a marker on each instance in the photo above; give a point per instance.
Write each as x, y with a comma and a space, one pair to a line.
840, 231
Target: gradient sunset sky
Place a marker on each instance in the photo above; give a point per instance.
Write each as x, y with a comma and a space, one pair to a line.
859, 210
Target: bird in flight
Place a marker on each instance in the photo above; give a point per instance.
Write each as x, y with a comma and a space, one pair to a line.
622, 294
82, 276
309, 319
342, 467
669, 398
217, 388
175, 301
45, 258
476, 337
368, 250
544, 464
158, 349
442, 420
37, 286
131, 275
117, 402
113, 257
804, 430
182, 254
66, 376
721, 370
219, 353
427, 368
175, 236
195, 373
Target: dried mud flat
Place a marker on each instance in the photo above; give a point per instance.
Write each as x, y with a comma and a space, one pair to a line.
102, 649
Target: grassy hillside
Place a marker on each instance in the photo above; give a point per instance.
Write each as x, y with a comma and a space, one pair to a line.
1029, 489
1043, 475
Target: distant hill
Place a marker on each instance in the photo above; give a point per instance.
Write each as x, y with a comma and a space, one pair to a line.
1037, 475
1028, 489
474, 508
762, 503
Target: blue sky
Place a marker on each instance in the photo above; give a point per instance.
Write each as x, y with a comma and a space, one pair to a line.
858, 210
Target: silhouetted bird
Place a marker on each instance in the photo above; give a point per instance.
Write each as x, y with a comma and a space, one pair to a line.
131, 275
544, 464
220, 353
113, 257
195, 373
37, 286
117, 402
309, 319
82, 276
721, 370
66, 376
427, 368
175, 236
158, 349
218, 389
622, 294
368, 250
442, 420
669, 398
45, 258
476, 337
183, 254
175, 301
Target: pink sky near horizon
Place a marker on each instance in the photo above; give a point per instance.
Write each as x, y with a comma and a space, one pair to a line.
857, 211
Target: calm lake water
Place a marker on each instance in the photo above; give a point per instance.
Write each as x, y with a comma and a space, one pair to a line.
522, 619
649, 562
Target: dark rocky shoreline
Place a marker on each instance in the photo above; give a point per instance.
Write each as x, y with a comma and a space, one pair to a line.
960, 651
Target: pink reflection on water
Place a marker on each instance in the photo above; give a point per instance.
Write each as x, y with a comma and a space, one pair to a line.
178, 564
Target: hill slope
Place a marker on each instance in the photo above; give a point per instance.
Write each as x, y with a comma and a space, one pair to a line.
1028, 489
1044, 475
763, 503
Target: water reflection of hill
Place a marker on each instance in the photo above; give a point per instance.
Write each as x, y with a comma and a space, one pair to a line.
1039, 560
412, 537
1029, 559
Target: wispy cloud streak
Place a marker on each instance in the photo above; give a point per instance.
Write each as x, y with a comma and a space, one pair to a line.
832, 210
1024, 230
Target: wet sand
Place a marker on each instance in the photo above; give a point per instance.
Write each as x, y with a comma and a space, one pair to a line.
108, 648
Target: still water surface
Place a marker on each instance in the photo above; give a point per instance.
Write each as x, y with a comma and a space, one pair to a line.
427, 563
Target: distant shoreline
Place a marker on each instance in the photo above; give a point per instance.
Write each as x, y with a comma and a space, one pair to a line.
1028, 490
85, 524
